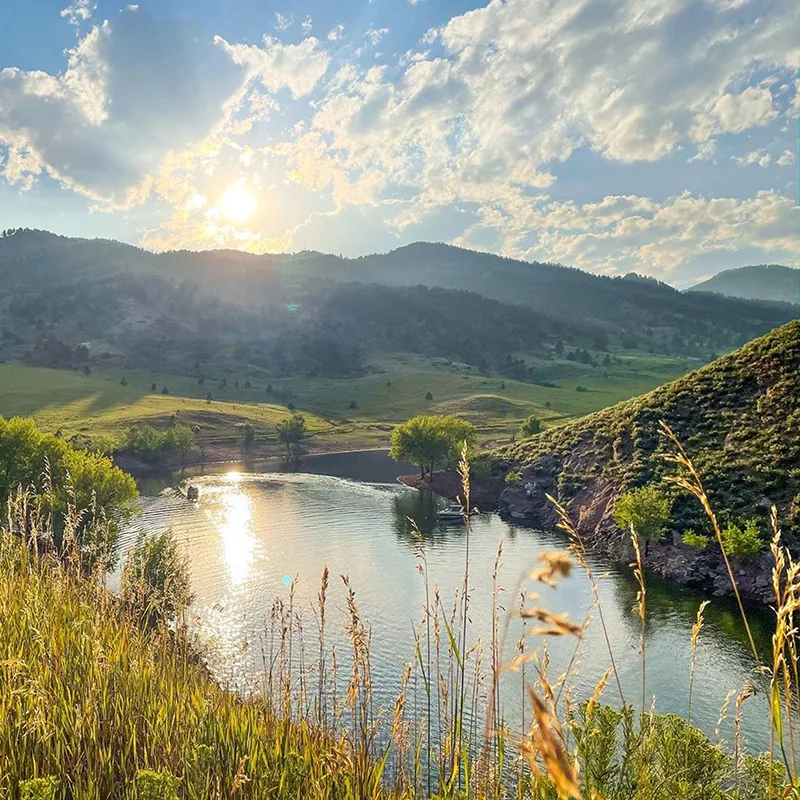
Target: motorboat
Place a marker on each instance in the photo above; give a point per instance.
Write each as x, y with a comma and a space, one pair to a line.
451, 514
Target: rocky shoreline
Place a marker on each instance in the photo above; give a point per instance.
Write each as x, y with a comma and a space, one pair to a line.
525, 503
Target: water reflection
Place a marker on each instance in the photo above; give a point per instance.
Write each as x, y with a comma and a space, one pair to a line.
233, 518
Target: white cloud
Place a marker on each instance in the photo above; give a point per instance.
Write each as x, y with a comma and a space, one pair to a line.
785, 159
374, 35
298, 67
335, 33
79, 11
307, 25
760, 157
283, 21
735, 113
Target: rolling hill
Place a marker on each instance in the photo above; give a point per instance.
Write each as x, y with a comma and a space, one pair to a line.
771, 282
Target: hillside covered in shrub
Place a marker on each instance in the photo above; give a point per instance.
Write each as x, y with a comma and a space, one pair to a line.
738, 418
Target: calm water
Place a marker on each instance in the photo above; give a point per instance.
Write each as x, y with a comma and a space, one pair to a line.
251, 534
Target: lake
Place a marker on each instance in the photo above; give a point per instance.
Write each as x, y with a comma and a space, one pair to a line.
256, 534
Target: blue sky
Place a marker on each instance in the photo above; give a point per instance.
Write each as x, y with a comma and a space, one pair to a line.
651, 135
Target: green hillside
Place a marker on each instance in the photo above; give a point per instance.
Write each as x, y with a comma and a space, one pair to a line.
739, 419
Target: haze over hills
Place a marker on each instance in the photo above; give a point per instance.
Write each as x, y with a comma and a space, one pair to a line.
311, 312
772, 282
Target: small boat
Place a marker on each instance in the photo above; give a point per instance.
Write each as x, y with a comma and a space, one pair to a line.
192, 493
451, 514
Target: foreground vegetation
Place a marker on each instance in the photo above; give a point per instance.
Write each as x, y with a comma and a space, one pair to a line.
98, 699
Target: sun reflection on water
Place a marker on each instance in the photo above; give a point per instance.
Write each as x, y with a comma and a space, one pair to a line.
235, 528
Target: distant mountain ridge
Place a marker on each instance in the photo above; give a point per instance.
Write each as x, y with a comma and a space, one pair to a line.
120, 292
771, 282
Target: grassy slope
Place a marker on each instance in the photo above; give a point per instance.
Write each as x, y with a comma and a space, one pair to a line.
97, 403
739, 419
88, 697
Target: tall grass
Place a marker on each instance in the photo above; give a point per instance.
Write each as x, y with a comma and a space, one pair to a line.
96, 702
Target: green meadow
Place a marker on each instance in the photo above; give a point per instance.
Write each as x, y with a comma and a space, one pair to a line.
352, 412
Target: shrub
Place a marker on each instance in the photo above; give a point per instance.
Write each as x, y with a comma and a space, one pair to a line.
155, 579
39, 788
742, 542
697, 540
151, 785
530, 427
646, 510
429, 396
512, 478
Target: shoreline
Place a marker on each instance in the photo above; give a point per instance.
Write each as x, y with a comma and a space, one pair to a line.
141, 469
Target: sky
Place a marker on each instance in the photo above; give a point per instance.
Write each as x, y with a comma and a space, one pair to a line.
659, 136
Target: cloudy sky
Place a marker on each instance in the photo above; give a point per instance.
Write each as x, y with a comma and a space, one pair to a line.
655, 135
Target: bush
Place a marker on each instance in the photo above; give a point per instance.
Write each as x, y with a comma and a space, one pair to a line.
512, 478
81, 478
646, 510
155, 579
39, 788
697, 540
742, 542
151, 785
530, 427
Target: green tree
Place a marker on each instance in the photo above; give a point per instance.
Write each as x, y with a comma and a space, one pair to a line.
66, 477
291, 432
530, 426
430, 442
646, 510
179, 437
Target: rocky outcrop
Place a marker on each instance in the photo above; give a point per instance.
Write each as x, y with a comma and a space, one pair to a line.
591, 510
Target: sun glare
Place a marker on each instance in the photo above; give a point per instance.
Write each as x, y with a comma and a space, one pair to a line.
238, 204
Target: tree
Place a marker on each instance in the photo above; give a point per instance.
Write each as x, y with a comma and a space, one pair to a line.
645, 510
84, 479
429, 441
291, 432
153, 387
248, 436
179, 437
123, 382
530, 427
429, 396
165, 390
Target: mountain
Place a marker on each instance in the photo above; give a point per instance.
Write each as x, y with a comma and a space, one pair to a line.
771, 282
739, 419
57, 292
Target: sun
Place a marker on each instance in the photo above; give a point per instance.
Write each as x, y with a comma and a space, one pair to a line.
238, 204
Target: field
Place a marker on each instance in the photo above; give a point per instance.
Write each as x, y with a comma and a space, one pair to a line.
341, 413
